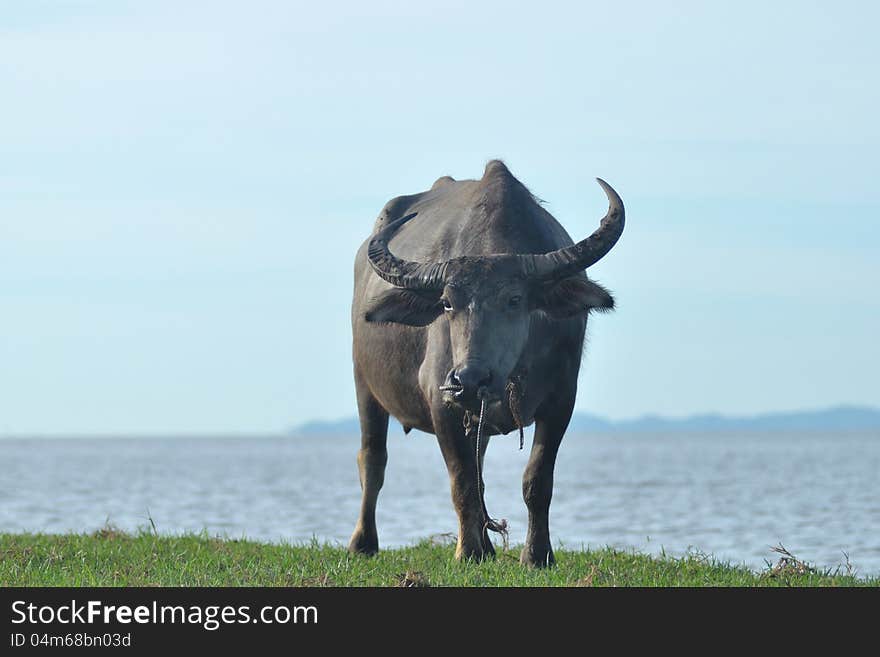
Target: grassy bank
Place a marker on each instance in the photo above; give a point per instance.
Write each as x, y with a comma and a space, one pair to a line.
112, 558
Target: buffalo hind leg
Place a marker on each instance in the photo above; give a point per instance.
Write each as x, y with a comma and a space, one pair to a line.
458, 452
550, 426
371, 459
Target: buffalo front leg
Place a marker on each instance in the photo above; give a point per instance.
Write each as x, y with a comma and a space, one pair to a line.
461, 463
550, 426
371, 459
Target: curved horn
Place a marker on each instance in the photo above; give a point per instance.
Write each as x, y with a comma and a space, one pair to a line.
399, 272
570, 260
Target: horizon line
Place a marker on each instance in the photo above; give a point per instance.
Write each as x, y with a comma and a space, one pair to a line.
314, 423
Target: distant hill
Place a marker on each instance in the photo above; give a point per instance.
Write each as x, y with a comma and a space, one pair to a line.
839, 418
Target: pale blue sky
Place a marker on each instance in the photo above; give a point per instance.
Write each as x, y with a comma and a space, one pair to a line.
183, 187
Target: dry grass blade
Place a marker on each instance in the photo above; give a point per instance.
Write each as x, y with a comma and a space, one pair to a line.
446, 538
591, 576
412, 579
109, 532
788, 564
322, 580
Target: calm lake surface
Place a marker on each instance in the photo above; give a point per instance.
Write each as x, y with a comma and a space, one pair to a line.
733, 496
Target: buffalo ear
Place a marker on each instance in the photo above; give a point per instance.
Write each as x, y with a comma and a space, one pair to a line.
402, 306
573, 296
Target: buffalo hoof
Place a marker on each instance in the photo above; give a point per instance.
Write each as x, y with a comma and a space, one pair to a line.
535, 557
361, 543
475, 553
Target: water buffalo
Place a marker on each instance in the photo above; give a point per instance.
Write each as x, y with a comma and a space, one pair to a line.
468, 297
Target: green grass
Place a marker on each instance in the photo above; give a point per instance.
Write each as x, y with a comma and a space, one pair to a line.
113, 558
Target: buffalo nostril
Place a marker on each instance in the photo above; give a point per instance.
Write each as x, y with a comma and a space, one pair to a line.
453, 384
472, 379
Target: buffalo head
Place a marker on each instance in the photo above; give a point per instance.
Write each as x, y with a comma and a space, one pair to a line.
488, 300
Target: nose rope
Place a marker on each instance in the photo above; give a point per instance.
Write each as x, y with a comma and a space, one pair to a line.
499, 527
514, 398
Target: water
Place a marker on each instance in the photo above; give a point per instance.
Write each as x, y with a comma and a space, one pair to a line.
731, 496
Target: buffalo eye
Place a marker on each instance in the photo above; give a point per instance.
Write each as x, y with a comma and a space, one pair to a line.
514, 301
447, 305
